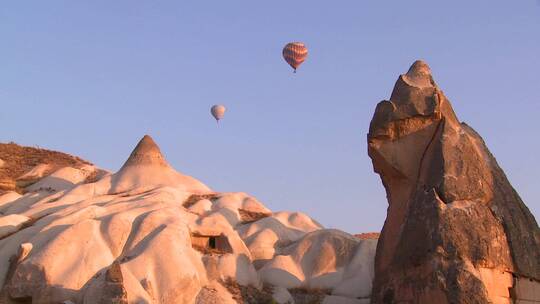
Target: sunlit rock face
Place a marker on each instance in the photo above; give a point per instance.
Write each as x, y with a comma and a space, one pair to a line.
150, 234
456, 231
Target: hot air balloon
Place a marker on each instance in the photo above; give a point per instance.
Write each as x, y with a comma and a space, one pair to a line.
295, 53
218, 111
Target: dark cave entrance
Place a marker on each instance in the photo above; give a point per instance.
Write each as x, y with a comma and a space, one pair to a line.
212, 242
216, 243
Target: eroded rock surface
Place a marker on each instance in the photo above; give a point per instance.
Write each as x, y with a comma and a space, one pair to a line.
150, 234
456, 231
22, 166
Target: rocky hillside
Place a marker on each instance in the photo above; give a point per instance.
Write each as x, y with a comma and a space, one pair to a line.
21, 166
149, 234
456, 230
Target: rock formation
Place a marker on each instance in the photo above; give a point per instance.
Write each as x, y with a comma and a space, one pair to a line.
149, 234
22, 166
456, 230
146, 166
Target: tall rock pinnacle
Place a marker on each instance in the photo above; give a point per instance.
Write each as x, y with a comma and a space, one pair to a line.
146, 167
146, 153
456, 231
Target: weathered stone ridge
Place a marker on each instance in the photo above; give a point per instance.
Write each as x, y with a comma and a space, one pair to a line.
456, 230
150, 234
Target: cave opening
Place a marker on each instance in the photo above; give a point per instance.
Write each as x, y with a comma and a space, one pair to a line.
212, 242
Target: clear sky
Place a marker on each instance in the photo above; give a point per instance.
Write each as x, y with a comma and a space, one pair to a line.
92, 77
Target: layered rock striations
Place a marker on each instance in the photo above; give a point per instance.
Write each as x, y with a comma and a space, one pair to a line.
456, 231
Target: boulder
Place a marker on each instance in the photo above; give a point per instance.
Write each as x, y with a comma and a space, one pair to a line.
454, 225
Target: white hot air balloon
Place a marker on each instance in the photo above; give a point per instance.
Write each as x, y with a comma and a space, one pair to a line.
218, 111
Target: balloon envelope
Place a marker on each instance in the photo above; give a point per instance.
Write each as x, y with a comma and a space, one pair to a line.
218, 111
295, 53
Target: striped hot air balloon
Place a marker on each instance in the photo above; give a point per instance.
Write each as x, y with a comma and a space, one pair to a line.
295, 53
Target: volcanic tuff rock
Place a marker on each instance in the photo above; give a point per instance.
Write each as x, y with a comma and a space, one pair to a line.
22, 166
146, 166
149, 234
456, 231
146, 153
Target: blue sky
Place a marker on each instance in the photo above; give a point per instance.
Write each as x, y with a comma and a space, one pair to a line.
91, 78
